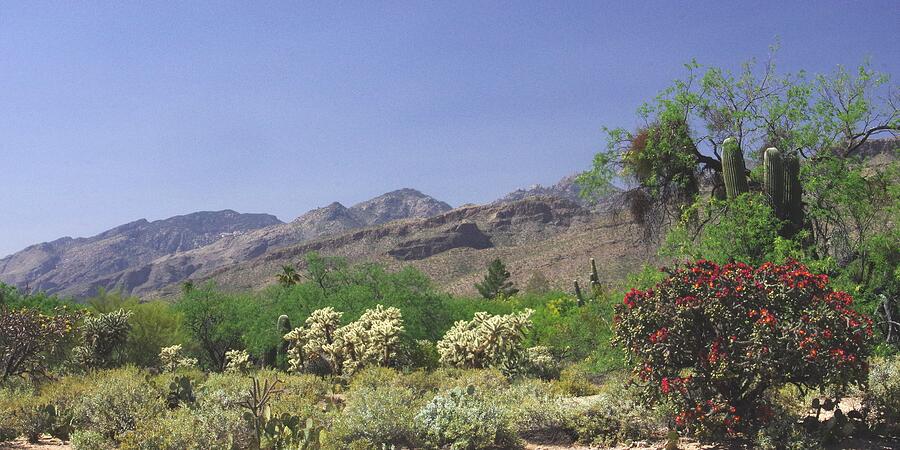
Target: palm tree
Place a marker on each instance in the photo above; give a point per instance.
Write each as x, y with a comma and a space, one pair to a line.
288, 276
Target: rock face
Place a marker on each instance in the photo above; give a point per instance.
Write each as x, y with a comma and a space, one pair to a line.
463, 235
547, 234
53, 266
142, 256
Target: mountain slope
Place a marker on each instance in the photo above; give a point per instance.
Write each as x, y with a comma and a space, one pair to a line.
52, 266
144, 256
550, 235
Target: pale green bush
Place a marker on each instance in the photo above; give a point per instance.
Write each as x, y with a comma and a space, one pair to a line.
90, 440
182, 428
376, 415
462, 419
883, 394
116, 402
532, 406
615, 415
574, 382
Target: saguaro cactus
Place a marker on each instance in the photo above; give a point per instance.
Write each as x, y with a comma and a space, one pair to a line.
774, 186
284, 327
792, 195
734, 172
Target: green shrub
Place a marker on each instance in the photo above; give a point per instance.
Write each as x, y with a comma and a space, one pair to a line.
186, 429
532, 406
116, 402
223, 390
615, 415
574, 382
484, 380
462, 418
375, 415
883, 394
90, 440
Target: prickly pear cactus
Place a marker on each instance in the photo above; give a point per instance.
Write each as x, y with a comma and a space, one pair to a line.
734, 172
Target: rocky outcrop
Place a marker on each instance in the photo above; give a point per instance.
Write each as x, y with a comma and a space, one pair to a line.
464, 235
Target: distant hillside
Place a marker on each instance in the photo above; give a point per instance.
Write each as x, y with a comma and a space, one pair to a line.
55, 266
550, 235
143, 256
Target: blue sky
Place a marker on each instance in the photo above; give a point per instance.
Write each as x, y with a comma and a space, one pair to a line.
115, 111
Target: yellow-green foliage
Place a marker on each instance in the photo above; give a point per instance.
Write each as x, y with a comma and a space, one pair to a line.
116, 402
182, 428
883, 396
574, 382
486, 340
374, 339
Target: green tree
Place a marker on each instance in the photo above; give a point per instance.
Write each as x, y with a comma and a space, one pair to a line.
216, 322
677, 147
496, 282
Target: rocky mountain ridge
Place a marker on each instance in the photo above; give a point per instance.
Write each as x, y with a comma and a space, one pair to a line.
140, 255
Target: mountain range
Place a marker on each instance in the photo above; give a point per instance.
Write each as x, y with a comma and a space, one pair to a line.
151, 259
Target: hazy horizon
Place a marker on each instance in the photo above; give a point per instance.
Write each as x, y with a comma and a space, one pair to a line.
115, 112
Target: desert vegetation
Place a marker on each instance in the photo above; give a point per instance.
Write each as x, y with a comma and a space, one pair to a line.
775, 303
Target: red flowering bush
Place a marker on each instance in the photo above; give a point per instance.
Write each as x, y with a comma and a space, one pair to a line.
712, 340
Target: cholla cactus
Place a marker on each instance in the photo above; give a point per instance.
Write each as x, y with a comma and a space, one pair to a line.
373, 339
102, 335
171, 359
237, 361
486, 341
307, 344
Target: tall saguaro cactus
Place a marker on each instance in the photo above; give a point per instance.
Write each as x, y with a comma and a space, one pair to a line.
284, 327
774, 186
792, 196
734, 172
